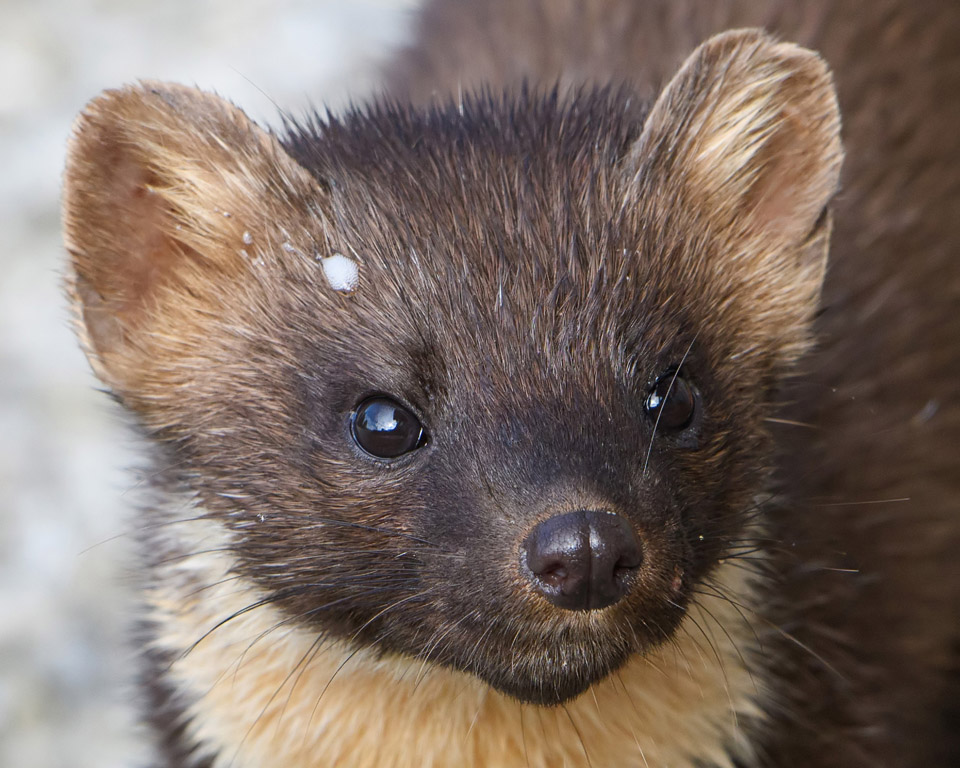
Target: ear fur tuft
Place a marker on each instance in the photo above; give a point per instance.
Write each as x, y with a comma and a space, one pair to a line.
742, 150
751, 129
163, 185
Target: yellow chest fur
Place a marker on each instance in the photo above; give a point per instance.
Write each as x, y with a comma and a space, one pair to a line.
263, 693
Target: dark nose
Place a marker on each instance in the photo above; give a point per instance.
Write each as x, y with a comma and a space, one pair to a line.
583, 560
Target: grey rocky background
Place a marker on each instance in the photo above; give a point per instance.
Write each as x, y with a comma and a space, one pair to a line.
65, 566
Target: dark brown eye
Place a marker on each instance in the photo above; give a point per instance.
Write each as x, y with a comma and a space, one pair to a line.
385, 429
672, 402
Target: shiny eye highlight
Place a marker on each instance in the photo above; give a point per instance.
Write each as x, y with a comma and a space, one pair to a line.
671, 402
385, 429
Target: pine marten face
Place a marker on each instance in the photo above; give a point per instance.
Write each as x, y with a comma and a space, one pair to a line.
484, 385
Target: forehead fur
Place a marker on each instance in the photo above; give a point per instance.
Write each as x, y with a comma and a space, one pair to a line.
503, 213
504, 230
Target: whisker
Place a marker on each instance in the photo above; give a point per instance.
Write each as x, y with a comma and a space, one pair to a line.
476, 647
733, 643
792, 423
434, 643
712, 644
716, 593
637, 713
656, 422
523, 736
476, 715
236, 614
332, 522
576, 730
303, 661
864, 503
133, 533
791, 638
358, 648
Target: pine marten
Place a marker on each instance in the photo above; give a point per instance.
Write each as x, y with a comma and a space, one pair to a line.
519, 417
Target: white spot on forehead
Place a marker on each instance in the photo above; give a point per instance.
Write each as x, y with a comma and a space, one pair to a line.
247, 238
342, 273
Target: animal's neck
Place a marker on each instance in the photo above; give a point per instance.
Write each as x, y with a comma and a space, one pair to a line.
262, 690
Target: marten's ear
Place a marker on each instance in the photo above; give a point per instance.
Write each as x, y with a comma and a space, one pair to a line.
743, 148
170, 203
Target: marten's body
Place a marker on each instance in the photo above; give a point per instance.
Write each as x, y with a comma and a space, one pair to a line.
527, 276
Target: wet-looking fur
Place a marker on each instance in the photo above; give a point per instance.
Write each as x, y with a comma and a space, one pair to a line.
530, 261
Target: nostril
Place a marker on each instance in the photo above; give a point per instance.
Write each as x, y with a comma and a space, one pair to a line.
582, 560
631, 556
554, 574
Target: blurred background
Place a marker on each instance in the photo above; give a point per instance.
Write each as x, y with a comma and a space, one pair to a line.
65, 552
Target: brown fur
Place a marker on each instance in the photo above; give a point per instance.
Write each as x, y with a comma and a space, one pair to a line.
528, 264
879, 395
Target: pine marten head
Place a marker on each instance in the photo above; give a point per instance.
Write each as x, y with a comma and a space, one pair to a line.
482, 384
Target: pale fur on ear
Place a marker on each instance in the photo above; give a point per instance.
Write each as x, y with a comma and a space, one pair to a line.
163, 186
750, 129
741, 154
